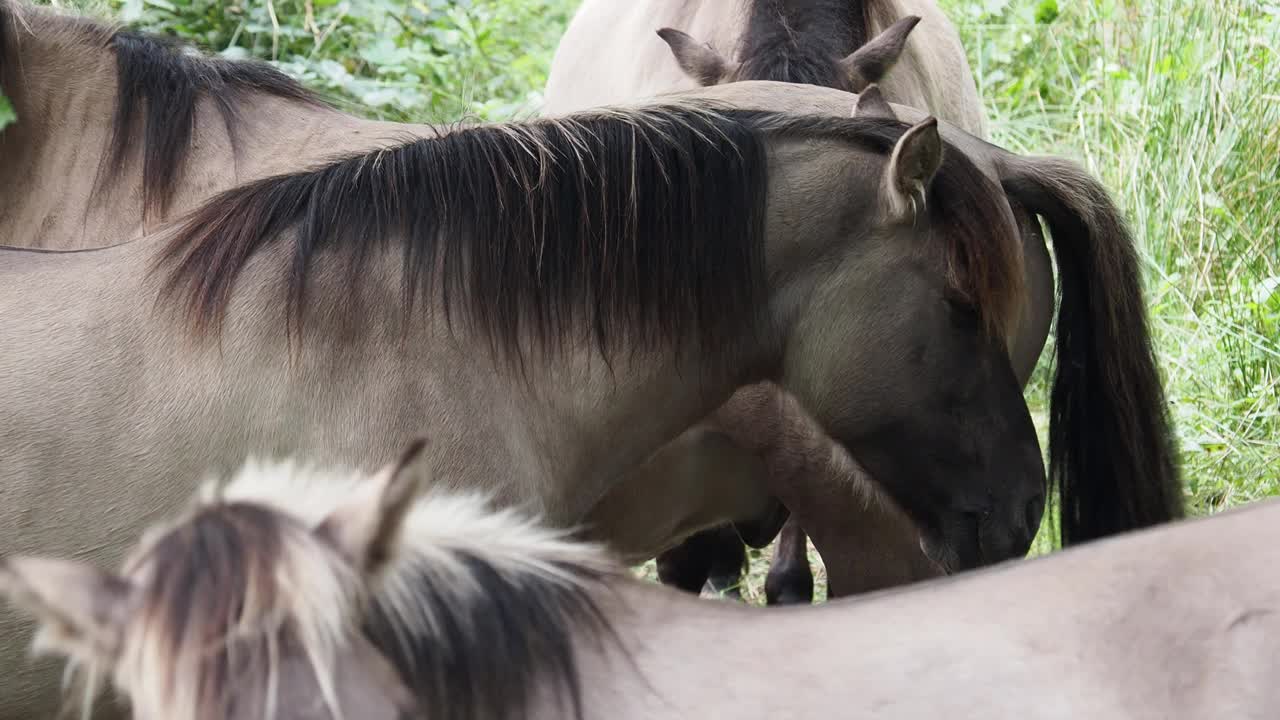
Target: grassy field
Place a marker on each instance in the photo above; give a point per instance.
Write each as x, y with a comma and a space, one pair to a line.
1175, 104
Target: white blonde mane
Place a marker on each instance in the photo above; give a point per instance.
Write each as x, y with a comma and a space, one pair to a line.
440, 526
454, 556
442, 606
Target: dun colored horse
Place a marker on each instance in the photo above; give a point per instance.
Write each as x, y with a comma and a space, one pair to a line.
63, 308
579, 290
147, 131
610, 53
296, 594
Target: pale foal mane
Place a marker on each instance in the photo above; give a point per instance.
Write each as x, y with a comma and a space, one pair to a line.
440, 525
254, 578
477, 607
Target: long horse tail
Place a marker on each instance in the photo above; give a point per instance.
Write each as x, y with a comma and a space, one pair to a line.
1112, 454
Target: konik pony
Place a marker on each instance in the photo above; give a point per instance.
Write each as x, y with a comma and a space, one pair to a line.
178, 127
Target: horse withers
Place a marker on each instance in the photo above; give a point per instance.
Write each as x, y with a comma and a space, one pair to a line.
302, 594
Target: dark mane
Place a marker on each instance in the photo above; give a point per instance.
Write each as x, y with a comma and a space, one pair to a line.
160, 82
478, 648
650, 222
643, 228
800, 41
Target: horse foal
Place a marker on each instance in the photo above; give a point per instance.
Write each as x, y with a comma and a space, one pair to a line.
371, 602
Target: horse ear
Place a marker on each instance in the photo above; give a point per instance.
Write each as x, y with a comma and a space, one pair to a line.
912, 165
80, 609
698, 60
366, 528
871, 103
869, 63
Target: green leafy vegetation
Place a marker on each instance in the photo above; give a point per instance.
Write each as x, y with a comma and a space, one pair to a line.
7, 114
400, 60
1175, 104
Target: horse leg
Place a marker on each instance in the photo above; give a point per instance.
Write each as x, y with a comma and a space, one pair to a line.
790, 579
690, 564
728, 561
867, 544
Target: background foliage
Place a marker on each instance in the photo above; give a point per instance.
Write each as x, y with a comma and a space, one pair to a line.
1174, 103
400, 60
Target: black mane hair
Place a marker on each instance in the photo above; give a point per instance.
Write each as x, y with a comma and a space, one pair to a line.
160, 84
643, 228
800, 41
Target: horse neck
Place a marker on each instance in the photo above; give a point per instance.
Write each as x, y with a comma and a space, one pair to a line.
62, 89
271, 135
276, 135
670, 649
555, 439
597, 424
